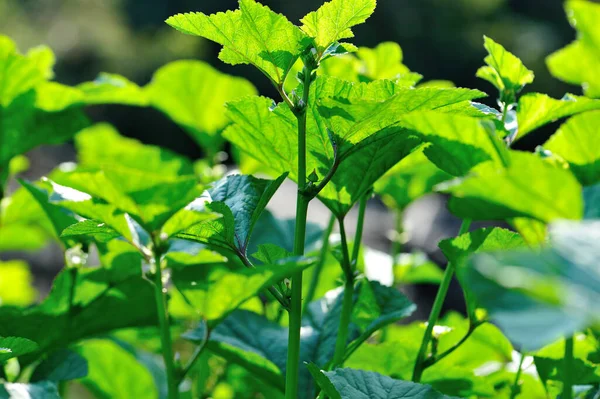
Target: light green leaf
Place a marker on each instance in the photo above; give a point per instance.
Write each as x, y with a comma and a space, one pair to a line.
333, 20
577, 62
504, 70
99, 231
15, 347
61, 365
110, 88
536, 297
410, 179
578, 142
40, 390
358, 384
115, 373
16, 284
528, 187
247, 36
535, 110
241, 199
214, 291
193, 94
271, 253
19, 73
416, 268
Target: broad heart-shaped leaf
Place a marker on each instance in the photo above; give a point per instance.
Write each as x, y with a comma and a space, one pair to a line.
504, 70
577, 62
457, 142
214, 290
241, 199
535, 110
260, 345
536, 297
253, 34
529, 187
96, 292
114, 372
39, 390
333, 20
14, 347
409, 180
365, 134
61, 365
578, 142
358, 384
193, 94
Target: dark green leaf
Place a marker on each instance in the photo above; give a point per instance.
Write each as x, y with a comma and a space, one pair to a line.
61, 365
14, 347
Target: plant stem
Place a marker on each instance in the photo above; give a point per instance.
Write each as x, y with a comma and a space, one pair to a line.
197, 353
396, 243
435, 311
434, 359
567, 392
295, 314
314, 281
275, 293
362, 207
347, 301
164, 327
514, 390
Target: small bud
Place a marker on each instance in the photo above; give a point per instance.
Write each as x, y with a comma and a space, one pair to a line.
313, 177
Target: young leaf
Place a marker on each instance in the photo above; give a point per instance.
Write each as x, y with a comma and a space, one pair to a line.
214, 291
504, 70
14, 347
577, 142
40, 390
537, 297
193, 94
577, 62
114, 373
61, 365
492, 192
358, 384
535, 110
253, 34
333, 20
241, 199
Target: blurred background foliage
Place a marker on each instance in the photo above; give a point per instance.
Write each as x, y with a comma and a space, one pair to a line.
441, 39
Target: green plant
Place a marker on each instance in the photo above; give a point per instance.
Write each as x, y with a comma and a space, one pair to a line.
231, 315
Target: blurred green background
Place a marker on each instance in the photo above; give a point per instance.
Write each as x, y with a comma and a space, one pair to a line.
441, 39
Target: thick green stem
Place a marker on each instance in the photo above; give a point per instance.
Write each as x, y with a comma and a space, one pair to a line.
165, 328
362, 207
514, 390
347, 301
567, 392
435, 312
302, 201
314, 281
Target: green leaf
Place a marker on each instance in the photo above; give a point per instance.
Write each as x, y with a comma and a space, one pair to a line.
16, 284
241, 199
536, 296
271, 254
15, 347
458, 142
193, 94
591, 198
504, 70
333, 20
577, 142
416, 268
40, 390
214, 291
61, 365
322, 381
247, 37
110, 88
528, 187
535, 110
358, 384
411, 178
19, 73
577, 62
115, 373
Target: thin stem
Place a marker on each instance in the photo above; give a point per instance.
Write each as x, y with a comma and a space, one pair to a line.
435, 311
295, 314
567, 392
434, 359
165, 328
272, 290
314, 281
359, 227
347, 301
514, 390
197, 353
